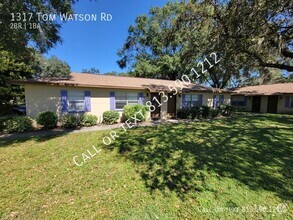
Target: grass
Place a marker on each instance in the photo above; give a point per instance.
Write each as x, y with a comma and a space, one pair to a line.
238, 168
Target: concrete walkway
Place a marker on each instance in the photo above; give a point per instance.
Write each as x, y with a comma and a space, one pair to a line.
100, 127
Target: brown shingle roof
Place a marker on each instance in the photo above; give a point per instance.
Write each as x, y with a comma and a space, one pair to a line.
273, 89
119, 82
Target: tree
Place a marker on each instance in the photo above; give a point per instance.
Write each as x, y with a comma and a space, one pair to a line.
18, 44
50, 68
45, 36
12, 67
247, 36
114, 73
92, 70
261, 31
256, 36
156, 45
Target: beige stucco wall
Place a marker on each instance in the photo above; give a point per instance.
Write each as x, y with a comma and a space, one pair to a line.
207, 99
264, 104
40, 98
281, 105
47, 98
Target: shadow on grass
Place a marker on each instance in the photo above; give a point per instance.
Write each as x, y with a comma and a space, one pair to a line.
256, 151
39, 136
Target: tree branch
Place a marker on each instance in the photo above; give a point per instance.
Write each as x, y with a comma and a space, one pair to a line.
262, 63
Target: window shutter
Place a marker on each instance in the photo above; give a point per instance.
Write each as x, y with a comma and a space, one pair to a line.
222, 99
87, 101
141, 98
64, 103
287, 102
200, 99
215, 101
183, 101
112, 101
245, 100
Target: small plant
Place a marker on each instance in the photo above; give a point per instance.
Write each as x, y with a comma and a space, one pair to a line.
110, 117
188, 113
131, 111
226, 110
183, 113
88, 120
47, 119
215, 112
205, 111
70, 121
16, 124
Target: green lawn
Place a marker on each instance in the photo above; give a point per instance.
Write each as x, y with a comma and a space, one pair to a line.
227, 168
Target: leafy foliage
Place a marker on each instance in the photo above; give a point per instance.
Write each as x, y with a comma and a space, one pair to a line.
50, 68
11, 68
226, 110
16, 54
248, 37
70, 121
110, 117
92, 70
204, 112
88, 120
16, 124
45, 37
131, 111
47, 119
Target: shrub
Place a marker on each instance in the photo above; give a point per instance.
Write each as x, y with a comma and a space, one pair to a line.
226, 110
110, 117
70, 121
189, 113
47, 119
215, 112
16, 124
184, 113
205, 111
2, 120
131, 111
88, 120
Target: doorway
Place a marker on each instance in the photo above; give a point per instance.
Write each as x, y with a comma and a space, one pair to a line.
256, 104
171, 108
272, 104
156, 114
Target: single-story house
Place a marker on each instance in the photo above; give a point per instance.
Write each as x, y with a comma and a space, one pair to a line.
274, 98
81, 93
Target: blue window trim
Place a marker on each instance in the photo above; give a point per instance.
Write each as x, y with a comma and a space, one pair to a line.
82, 111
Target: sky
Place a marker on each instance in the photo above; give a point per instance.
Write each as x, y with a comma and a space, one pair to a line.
88, 44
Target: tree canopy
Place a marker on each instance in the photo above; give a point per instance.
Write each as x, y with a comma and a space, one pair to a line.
92, 70
50, 68
44, 37
251, 38
18, 46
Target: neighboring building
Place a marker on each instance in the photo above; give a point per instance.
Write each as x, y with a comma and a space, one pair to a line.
96, 94
274, 98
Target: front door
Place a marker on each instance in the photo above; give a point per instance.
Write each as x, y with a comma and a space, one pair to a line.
171, 109
272, 104
256, 104
156, 113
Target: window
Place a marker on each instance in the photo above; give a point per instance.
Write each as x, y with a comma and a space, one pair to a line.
191, 100
238, 100
218, 100
123, 98
289, 101
76, 101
